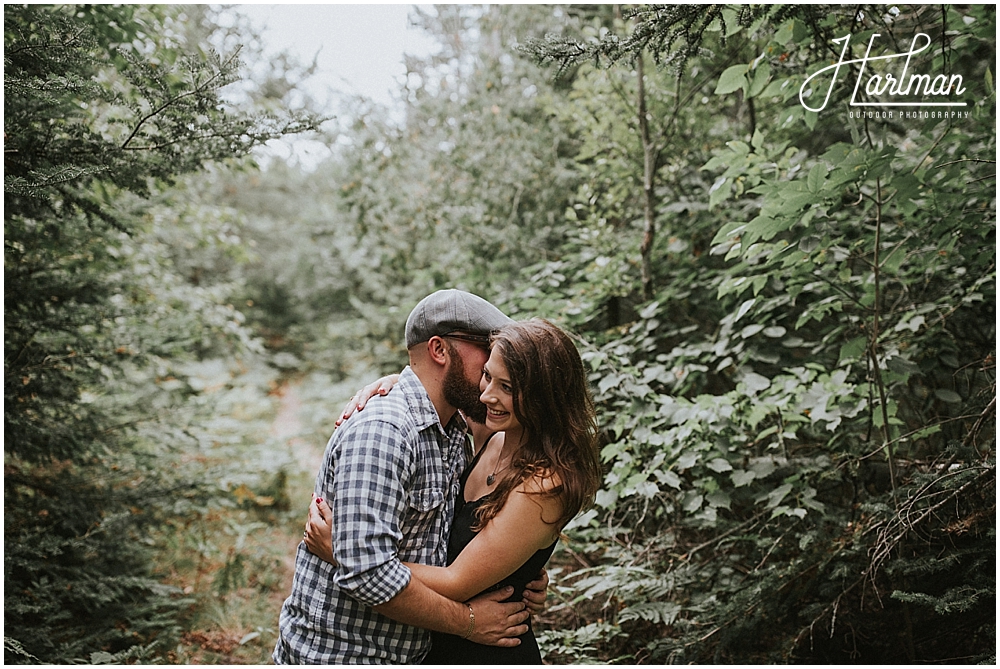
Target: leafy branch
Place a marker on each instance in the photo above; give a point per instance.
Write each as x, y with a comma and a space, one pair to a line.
211, 83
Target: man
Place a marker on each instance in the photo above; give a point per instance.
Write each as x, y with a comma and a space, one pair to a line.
391, 475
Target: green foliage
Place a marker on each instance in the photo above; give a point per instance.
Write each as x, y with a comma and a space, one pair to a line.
800, 417
797, 427
463, 193
103, 105
780, 411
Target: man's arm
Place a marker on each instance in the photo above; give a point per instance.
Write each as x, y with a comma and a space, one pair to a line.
317, 538
367, 504
495, 622
491, 621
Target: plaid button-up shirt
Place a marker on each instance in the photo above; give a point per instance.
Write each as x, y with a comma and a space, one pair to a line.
391, 477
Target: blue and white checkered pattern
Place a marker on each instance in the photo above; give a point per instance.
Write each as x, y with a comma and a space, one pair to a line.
391, 476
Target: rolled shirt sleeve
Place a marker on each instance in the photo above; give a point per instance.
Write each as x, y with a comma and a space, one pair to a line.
390, 476
367, 496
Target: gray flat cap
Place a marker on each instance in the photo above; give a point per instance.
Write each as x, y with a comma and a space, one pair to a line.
449, 310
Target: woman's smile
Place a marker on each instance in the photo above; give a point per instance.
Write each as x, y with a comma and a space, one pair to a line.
497, 395
497, 418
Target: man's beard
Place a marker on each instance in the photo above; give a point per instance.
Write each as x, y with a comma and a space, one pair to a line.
462, 394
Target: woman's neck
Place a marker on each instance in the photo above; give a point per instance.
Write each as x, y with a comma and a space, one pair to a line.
513, 439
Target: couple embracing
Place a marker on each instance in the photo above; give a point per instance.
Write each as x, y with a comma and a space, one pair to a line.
419, 550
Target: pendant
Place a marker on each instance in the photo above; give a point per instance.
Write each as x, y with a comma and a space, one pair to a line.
490, 479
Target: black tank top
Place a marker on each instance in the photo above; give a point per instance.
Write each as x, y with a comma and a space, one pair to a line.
451, 649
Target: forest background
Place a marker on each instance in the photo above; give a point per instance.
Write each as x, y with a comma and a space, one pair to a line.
788, 316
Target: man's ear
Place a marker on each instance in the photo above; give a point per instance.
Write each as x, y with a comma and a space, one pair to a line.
438, 350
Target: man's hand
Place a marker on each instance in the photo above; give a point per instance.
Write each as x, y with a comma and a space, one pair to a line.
535, 593
498, 624
318, 536
357, 403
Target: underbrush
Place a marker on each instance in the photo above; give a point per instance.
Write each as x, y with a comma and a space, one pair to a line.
229, 548
234, 564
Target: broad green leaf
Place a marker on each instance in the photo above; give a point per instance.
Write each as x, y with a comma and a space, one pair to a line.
758, 412
785, 33
606, 498
755, 382
687, 461
647, 489
719, 465
817, 175
732, 79
901, 365
949, 396
692, 502
775, 497
853, 350
744, 308
926, 432
719, 499
730, 16
760, 77
611, 451
669, 478
811, 117
608, 382
719, 191
776, 88
728, 231
792, 30
649, 310
740, 148
892, 263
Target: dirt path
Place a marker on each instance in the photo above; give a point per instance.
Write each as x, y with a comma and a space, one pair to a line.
287, 427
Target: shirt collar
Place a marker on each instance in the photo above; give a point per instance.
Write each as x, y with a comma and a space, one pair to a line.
423, 409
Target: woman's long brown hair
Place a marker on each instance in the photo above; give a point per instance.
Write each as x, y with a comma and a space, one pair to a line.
552, 402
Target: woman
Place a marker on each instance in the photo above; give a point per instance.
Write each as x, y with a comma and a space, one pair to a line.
538, 468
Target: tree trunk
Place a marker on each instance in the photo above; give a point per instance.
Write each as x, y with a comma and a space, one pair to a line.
649, 172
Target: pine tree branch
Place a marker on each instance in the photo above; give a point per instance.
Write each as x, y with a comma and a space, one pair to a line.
894, 531
195, 91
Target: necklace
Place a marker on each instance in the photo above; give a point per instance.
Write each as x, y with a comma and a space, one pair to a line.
491, 478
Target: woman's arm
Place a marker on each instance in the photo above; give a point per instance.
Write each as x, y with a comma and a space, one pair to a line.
523, 526
317, 538
380, 386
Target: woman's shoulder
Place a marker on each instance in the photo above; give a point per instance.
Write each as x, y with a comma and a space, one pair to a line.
542, 480
540, 493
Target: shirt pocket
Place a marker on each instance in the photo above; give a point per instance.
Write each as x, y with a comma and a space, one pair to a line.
423, 523
313, 584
